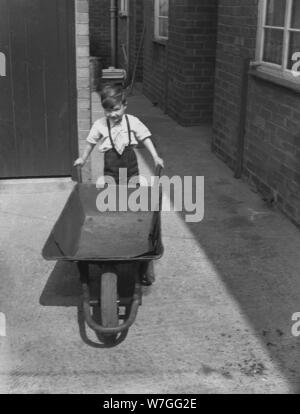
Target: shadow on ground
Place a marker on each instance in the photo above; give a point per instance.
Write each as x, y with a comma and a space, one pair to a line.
63, 288
253, 248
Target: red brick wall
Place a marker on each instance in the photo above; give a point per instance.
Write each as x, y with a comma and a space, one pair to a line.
179, 75
272, 143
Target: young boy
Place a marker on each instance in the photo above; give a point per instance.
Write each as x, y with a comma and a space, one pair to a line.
117, 134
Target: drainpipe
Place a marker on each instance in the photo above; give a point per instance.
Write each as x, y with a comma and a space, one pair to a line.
114, 31
242, 122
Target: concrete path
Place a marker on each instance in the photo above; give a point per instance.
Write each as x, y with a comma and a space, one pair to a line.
217, 320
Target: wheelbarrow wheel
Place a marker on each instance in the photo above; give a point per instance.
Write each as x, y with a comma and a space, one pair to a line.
108, 302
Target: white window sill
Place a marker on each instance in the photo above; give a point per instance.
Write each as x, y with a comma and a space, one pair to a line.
160, 41
285, 79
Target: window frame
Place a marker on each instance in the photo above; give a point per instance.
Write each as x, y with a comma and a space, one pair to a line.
279, 70
157, 17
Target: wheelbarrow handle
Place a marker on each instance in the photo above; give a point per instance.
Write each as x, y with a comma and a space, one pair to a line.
79, 173
158, 170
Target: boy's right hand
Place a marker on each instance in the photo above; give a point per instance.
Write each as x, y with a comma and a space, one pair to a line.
79, 161
100, 183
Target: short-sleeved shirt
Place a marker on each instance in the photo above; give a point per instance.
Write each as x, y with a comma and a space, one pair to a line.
99, 133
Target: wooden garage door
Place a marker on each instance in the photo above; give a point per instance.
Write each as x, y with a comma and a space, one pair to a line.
37, 95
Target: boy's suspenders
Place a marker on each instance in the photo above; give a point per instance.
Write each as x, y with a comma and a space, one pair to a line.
128, 129
110, 137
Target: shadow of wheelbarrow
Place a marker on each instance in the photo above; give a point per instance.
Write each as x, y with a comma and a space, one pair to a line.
63, 288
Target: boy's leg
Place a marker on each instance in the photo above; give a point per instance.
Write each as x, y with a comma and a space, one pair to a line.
133, 169
113, 162
149, 276
112, 165
129, 161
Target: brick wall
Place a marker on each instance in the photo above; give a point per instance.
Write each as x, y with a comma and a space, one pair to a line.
154, 58
83, 77
100, 30
236, 40
272, 144
179, 75
100, 35
272, 147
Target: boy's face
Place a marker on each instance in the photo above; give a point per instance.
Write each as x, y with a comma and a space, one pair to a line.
116, 113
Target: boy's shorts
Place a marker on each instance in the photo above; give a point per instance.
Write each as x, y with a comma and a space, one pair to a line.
114, 161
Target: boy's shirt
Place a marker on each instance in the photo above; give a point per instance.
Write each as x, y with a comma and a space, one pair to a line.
99, 133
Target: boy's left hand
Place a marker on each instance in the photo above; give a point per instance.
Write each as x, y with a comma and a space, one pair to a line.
159, 161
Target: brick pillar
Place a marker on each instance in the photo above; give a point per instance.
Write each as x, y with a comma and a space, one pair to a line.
83, 78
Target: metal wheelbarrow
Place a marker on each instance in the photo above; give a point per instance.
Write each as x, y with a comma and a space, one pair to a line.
121, 244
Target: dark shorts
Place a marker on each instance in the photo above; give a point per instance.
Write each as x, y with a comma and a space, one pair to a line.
113, 162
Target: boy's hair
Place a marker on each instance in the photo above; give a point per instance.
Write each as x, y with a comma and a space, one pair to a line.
112, 95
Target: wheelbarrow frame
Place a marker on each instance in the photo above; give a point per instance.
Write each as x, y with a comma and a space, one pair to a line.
108, 299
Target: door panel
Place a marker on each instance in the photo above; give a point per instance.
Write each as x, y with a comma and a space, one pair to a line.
37, 108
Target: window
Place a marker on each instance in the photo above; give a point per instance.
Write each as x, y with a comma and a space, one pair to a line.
278, 40
123, 8
161, 19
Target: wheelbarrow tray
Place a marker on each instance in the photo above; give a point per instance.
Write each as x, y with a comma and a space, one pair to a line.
83, 233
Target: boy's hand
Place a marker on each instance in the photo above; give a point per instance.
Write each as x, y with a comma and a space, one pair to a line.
79, 161
159, 161
100, 183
